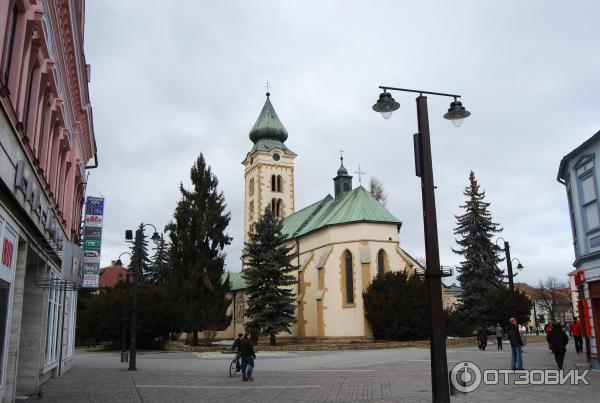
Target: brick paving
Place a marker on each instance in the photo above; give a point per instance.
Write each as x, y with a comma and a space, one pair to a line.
396, 375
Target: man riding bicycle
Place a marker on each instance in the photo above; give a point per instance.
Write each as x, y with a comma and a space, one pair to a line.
236, 346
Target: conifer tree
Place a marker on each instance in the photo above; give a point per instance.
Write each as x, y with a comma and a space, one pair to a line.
197, 258
140, 243
268, 266
479, 274
159, 267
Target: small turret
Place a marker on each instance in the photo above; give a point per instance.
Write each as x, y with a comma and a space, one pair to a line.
342, 183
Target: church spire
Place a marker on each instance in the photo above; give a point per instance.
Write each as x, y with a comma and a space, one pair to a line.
342, 183
268, 125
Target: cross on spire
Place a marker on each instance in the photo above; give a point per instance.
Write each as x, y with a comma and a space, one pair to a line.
342, 155
267, 86
359, 173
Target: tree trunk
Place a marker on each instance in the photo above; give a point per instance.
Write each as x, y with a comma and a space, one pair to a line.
272, 339
194, 337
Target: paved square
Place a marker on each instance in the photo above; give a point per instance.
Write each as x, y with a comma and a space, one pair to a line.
396, 375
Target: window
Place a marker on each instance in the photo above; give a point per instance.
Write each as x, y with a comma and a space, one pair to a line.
346, 187
251, 187
279, 183
381, 263
251, 211
12, 30
277, 207
276, 183
54, 315
28, 100
572, 217
588, 194
273, 183
349, 278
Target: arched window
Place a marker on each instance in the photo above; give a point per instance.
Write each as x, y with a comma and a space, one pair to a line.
348, 271
10, 44
381, 263
273, 205
346, 187
251, 211
251, 187
273, 183
279, 183
279, 208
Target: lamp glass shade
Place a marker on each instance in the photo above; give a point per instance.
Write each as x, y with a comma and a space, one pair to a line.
155, 237
386, 114
457, 113
386, 105
457, 122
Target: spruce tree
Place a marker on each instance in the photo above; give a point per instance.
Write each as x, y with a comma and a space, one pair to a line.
140, 243
197, 259
159, 267
479, 274
268, 266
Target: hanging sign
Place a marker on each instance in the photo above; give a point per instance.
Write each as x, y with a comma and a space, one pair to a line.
92, 241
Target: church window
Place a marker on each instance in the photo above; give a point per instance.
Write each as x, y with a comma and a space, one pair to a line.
346, 187
276, 157
251, 211
348, 271
381, 263
279, 183
251, 187
273, 183
279, 208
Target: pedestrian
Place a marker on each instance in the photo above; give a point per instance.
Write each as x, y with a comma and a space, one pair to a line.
548, 330
236, 347
559, 340
248, 356
516, 345
576, 333
482, 337
499, 335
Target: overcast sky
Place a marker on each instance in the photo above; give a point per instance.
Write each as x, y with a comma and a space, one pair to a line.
173, 79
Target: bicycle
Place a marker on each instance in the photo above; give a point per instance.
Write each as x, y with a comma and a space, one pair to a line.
234, 367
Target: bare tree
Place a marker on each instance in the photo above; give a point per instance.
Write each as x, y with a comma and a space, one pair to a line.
378, 191
554, 296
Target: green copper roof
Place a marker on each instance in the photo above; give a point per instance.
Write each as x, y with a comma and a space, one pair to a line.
357, 205
268, 125
269, 145
236, 280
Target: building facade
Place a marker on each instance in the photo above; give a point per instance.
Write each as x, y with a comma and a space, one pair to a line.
46, 142
341, 242
579, 172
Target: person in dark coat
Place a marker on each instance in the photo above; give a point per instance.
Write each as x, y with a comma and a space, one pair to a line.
558, 339
248, 356
516, 345
236, 347
482, 337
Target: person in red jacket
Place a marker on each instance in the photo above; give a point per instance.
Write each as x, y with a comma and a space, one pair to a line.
576, 333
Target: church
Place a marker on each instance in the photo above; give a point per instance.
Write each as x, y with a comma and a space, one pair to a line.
342, 241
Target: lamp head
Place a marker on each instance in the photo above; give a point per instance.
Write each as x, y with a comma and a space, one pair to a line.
119, 263
155, 237
456, 113
520, 266
386, 105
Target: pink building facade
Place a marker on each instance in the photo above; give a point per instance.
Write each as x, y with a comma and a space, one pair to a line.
47, 144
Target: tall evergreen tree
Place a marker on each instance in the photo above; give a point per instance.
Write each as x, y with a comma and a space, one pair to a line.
140, 243
159, 267
197, 259
268, 267
479, 273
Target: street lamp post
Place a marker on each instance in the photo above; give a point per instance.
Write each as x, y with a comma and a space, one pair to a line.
134, 292
433, 271
126, 303
509, 266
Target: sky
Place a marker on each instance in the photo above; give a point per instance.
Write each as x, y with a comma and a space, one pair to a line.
173, 79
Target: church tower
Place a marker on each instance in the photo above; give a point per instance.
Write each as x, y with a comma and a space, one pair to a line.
268, 170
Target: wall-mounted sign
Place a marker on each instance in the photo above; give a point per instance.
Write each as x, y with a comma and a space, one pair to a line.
92, 241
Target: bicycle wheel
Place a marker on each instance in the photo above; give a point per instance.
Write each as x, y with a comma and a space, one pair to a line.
232, 368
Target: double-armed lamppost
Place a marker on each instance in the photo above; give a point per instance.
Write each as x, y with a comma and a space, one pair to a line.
386, 105
137, 266
509, 263
126, 303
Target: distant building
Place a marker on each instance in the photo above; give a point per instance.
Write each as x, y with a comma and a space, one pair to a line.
579, 172
451, 295
540, 312
111, 275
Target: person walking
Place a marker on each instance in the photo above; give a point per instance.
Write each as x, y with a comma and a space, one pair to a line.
576, 333
558, 339
548, 330
499, 335
516, 345
248, 356
482, 337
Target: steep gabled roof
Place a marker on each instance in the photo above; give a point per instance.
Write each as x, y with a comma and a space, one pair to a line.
236, 281
357, 205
